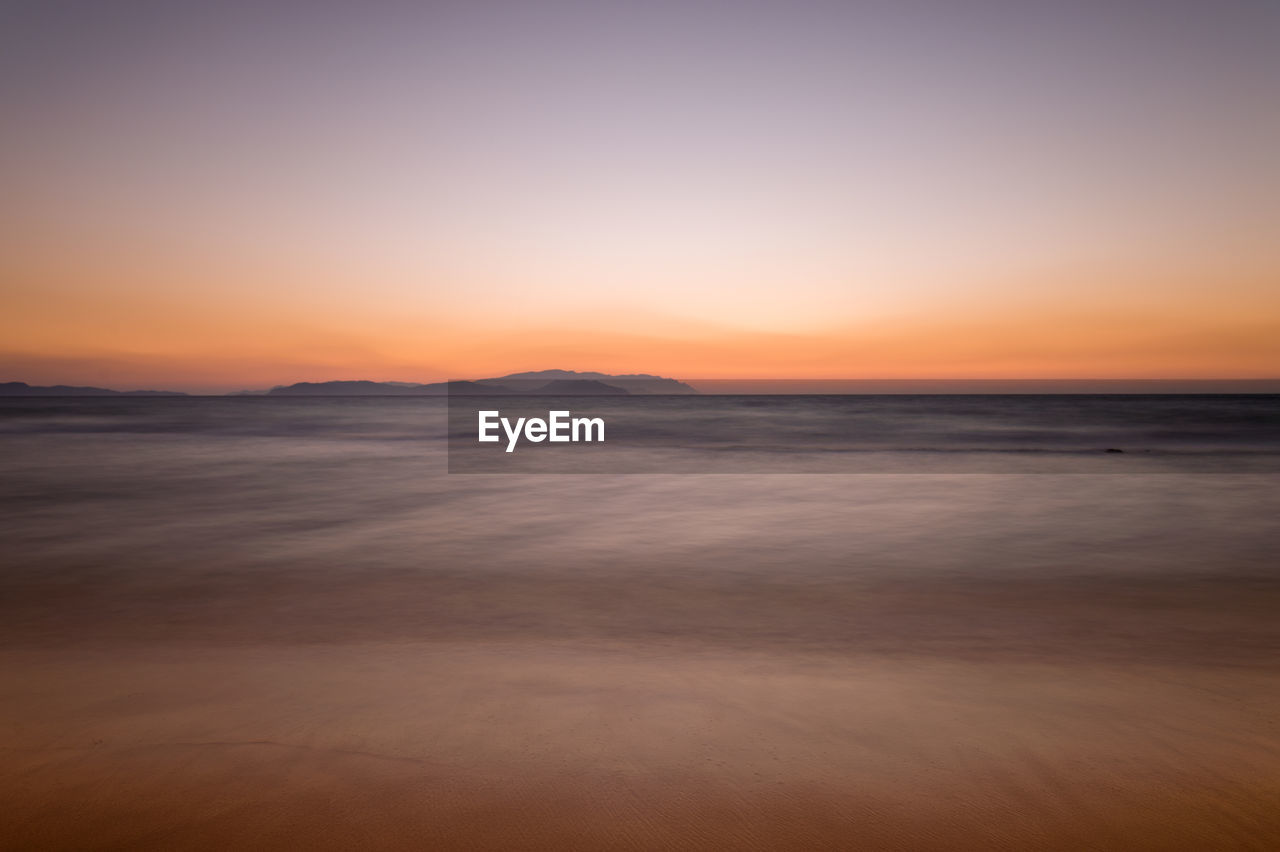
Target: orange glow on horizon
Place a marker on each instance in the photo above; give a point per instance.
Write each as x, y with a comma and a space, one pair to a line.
220, 353
847, 193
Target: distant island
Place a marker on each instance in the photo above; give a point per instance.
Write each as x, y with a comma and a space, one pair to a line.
24, 389
548, 382
539, 382
571, 383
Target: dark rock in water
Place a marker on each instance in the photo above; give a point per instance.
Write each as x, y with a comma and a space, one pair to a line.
1113, 450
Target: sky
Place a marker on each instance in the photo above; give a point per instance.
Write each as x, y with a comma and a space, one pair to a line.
215, 196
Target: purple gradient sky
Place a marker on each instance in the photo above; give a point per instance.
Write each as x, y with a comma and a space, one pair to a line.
218, 194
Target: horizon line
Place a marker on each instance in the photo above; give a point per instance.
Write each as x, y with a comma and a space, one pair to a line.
1248, 385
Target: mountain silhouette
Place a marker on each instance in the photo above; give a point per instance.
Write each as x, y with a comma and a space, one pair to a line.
368, 388
564, 382
578, 387
537, 382
24, 389
635, 383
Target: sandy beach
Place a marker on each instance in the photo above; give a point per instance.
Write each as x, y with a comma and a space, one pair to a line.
497, 747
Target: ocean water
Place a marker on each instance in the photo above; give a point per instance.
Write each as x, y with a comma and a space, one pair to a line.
885, 434
216, 585
250, 517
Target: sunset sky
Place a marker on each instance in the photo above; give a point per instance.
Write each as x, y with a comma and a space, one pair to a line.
213, 196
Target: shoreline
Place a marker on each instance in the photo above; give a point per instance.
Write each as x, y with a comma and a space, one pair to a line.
470, 746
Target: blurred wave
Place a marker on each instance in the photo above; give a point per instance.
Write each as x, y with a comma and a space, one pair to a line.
333, 520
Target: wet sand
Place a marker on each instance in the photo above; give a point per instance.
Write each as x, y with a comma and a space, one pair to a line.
491, 746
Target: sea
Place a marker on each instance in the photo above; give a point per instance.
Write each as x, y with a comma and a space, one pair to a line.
883, 600
180, 515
